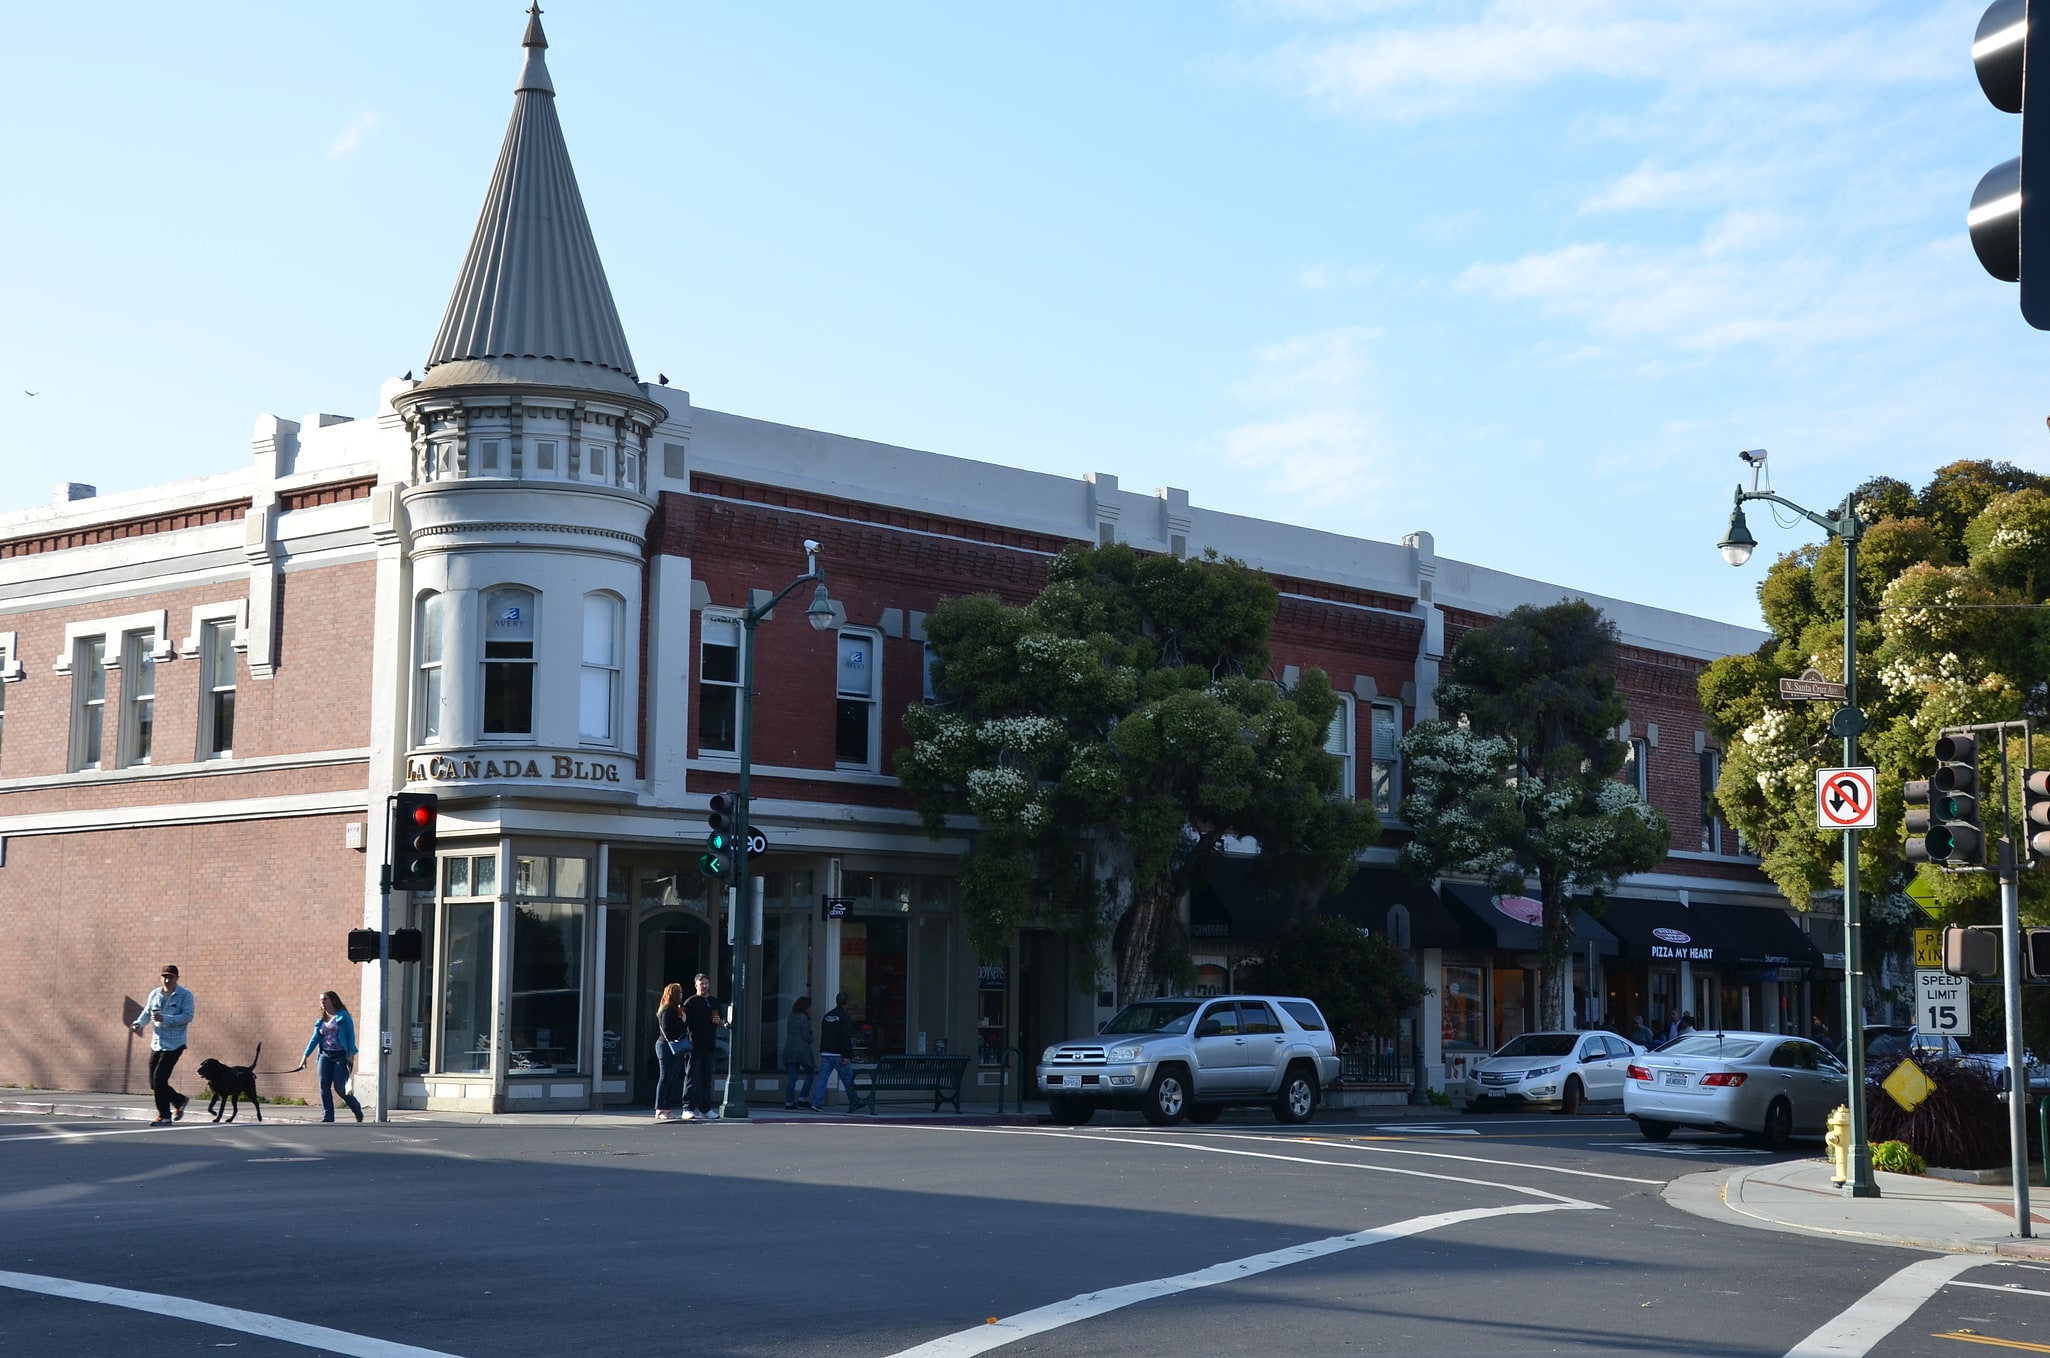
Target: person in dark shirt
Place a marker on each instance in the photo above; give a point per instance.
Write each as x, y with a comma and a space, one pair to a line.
702, 1018
836, 1052
670, 1055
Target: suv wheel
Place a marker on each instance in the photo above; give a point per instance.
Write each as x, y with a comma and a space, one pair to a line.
1297, 1102
1070, 1112
1167, 1101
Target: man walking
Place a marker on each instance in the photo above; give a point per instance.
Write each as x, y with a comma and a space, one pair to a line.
836, 1052
701, 1017
168, 1009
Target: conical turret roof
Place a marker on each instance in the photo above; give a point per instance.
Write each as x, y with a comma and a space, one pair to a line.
532, 304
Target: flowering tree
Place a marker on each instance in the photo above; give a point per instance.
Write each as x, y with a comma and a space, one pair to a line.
1108, 736
1952, 583
1520, 781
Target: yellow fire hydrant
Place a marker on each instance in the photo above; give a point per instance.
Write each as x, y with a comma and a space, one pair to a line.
1839, 1142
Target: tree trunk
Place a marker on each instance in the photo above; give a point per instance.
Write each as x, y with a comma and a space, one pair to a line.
1151, 907
1552, 949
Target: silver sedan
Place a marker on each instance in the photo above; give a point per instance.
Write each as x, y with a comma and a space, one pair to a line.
1767, 1086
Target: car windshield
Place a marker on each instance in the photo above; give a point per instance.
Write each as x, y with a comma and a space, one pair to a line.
1154, 1016
1711, 1044
1539, 1044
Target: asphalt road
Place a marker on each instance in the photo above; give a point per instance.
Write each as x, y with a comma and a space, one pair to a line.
1492, 1236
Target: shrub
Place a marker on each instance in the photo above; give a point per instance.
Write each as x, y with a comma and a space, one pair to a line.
1895, 1157
1962, 1125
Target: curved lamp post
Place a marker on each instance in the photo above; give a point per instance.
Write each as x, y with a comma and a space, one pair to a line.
822, 618
1847, 722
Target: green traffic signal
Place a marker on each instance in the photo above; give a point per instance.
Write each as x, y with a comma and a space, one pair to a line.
712, 864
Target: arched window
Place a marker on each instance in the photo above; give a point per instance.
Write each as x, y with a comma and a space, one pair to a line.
509, 662
598, 697
427, 688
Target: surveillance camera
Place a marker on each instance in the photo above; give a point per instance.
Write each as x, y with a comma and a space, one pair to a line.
812, 547
1754, 456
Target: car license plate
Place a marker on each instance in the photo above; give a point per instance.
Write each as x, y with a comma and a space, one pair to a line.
1066, 1081
1676, 1077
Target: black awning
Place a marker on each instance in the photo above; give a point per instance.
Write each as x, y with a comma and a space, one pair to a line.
1726, 935
1225, 904
1495, 921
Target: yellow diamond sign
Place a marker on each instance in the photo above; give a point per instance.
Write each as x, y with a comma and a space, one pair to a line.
1908, 1085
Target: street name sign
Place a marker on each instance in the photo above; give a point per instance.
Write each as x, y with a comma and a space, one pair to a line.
1809, 686
1943, 1004
1845, 799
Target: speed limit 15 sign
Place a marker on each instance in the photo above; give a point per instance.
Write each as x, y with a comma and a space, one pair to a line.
1943, 1004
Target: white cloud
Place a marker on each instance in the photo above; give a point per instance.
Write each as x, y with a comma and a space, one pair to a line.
351, 137
1313, 435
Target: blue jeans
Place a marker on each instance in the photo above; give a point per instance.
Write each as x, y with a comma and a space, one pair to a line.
828, 1063
796, 1081
334, 1077
669, 1084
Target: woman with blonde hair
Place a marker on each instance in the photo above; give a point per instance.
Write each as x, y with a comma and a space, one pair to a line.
670, 1052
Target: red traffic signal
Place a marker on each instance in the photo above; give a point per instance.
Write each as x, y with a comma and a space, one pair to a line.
415, 819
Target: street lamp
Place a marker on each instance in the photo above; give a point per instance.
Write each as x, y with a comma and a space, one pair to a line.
821, 617
1847, 722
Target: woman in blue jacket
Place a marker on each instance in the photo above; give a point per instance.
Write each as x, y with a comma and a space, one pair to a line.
334, 1036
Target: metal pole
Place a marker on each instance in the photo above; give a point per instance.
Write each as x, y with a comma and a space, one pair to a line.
2017, 1071
384, 983
734, 1105
1859, 1183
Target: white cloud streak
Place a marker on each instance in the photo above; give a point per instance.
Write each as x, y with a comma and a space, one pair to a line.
351, 137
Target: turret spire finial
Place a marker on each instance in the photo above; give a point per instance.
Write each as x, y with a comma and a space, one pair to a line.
534, 75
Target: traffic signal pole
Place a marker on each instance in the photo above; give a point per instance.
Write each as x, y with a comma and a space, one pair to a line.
384, 1080
2017, 1071
1848, 722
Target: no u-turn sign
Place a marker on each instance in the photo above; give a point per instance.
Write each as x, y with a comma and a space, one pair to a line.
1845, 800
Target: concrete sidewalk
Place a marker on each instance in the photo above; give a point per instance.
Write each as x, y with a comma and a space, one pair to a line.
1913, 1211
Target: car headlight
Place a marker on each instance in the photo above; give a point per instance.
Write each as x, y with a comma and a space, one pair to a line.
1046, 1057
1124, 1053
1540, 1074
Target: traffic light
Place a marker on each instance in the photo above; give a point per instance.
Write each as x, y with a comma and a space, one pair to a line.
362, 945
719, 846
2036, 814
414, 819
2036, 954
406, 945
1943, 810
2009, 219
1973, 951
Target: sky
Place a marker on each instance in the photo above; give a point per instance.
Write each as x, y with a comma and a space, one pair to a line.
1523, 273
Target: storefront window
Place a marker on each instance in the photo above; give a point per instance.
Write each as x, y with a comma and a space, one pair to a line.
1515, 1005
1465, 1023
547, 987
874, 971
417, 995
935, 975
786, 974
615, 990
992, 1019
466, 990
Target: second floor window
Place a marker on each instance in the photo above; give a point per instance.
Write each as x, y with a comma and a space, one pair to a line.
854, 722
217, 676
1711, 822
427, 692
1636, 770
138, 696
718, 684
1338, 742
598, 695
89, 677
509, 662
1387, 769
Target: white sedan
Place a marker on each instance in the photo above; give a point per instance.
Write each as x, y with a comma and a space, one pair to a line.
1563, 1068
1767, 1086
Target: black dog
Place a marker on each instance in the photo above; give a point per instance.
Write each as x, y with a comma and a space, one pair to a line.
229, 1084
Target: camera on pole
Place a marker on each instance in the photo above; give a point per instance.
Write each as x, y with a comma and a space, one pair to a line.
2009, 219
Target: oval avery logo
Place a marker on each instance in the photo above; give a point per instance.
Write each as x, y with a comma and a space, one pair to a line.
1671, 936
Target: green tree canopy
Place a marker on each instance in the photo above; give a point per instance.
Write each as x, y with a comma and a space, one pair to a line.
1951, 631
1107, 736
1361, 982
1520, 779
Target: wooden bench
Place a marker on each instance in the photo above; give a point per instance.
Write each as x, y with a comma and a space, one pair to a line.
939, 1076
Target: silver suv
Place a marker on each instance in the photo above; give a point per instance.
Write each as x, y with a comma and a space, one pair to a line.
1193, 1058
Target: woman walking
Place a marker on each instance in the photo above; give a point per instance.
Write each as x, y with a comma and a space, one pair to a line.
797, 1063
669, 1055
334, 1037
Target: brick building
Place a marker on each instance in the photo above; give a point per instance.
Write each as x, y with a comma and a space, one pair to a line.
517, 584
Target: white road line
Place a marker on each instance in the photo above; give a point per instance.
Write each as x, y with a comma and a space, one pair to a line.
2006, 1289
81, 1136
1879, 1312
223, 1317
1010, 1329
1377, 1148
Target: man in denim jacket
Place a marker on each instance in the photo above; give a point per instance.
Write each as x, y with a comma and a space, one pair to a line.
169, 1010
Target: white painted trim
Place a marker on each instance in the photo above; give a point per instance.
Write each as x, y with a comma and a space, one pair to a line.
10, 658
211, 768
237, 609
730, 764
111, 630
184, 813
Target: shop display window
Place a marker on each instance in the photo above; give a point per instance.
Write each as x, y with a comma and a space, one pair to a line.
1463, 1009
466, 990
547, 1000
